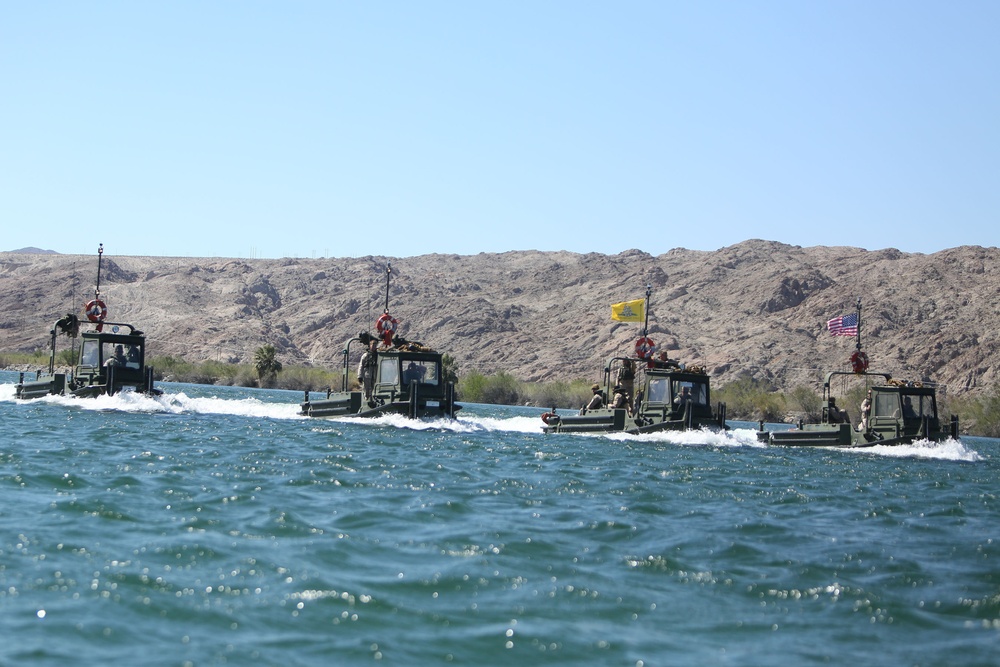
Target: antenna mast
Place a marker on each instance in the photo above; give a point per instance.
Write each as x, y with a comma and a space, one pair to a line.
388, 274
645, 325
100, 258
857, 345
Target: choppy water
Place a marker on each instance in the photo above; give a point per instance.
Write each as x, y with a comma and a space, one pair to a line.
214, 526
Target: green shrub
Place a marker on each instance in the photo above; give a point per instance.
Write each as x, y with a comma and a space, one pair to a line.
558, 394
977, 415
807, 402
500, 389
751, 399
307, 378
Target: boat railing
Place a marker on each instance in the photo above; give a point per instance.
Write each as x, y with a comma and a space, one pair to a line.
132, 331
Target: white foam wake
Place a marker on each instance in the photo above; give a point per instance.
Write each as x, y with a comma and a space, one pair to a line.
179, 403
946, 450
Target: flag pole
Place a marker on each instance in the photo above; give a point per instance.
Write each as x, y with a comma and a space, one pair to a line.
858, 343
645, 325
100, 256
388, 274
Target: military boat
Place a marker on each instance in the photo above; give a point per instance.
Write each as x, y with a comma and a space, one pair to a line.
670, 396
895, 412
397, 376
112, 356
899, 413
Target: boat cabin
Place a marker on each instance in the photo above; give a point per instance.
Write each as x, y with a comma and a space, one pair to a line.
116, 352
397, 371
902, 408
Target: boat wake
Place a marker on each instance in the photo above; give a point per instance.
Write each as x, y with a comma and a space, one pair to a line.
946, 450
739, 437
463, 423
167, 403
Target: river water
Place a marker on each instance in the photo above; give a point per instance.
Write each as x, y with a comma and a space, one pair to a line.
212, 525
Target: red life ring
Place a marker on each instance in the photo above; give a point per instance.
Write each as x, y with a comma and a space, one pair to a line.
859, 362
386, 326
645, 348
550, 418
96, 310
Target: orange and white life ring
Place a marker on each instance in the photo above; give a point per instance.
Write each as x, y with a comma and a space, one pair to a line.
96, 310
386, 327
859, 362
550, 418
645, 348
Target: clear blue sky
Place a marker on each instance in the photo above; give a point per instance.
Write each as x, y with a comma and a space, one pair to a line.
337, 128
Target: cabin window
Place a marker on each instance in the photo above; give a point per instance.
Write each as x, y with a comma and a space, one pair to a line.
388, 372
886, 405
89, 353
697, 392
658, 390
424, 372
124, 355
915, 407
133, 357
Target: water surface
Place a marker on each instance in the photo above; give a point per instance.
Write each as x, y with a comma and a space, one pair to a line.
213, 525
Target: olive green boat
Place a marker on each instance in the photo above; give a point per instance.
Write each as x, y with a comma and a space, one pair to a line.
670, 396
403, 377
112, 357
901, 413
895, 412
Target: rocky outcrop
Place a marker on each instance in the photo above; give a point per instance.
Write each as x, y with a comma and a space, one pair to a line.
758, 306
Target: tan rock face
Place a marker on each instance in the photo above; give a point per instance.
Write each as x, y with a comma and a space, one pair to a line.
758, 306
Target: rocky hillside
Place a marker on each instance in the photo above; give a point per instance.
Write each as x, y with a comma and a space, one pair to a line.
757, 306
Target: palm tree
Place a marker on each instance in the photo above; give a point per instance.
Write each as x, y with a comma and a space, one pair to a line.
449, 369
265, 362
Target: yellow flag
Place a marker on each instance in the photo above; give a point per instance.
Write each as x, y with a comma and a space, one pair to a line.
629, 311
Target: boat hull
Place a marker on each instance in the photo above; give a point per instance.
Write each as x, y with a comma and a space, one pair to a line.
843, 435
352, 404
62, 384
618, 420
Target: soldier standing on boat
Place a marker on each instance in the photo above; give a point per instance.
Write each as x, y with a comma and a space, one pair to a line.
866, 410
366, 369
626, 378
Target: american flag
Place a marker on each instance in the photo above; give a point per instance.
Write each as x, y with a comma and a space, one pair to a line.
845, 325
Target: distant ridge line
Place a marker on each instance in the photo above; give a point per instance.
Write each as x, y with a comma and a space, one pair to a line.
31, 250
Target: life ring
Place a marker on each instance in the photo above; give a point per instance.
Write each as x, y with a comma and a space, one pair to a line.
645, 348
859, 362
96, 310
386, 326
550, 418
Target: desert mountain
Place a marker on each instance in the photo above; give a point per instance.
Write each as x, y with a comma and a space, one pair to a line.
758, 306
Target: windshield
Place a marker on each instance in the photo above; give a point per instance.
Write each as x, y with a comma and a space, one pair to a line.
388, 372
908, 406
425, 372
118, 354
89, 356
658, 390
918, 406
697, 392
